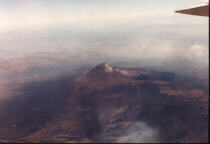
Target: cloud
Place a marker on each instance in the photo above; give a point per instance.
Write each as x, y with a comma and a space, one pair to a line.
138, 132
198, 51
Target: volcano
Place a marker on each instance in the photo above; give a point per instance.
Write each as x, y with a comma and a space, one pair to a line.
108, 104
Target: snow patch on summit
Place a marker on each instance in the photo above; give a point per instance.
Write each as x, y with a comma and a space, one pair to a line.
107, 68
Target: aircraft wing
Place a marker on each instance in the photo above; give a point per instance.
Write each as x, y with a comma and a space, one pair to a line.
199, 11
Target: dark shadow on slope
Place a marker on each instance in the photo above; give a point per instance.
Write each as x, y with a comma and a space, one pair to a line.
38, 103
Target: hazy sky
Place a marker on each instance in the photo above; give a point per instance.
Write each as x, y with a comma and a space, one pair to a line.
110, 28
15, 14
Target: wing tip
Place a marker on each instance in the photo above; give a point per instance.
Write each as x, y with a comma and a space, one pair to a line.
197, 11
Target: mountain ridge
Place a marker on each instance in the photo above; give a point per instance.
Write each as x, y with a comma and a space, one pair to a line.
103, 105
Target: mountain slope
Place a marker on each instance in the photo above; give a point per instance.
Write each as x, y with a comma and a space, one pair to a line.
107, 104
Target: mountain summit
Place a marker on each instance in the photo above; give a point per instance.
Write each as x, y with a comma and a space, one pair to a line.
103, 71
102, 68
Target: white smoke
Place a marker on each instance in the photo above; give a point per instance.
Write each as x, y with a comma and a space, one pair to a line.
138, 132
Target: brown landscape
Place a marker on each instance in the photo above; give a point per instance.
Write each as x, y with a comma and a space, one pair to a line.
108, 104
106, 71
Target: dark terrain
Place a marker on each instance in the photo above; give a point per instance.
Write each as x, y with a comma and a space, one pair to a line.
108, 104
